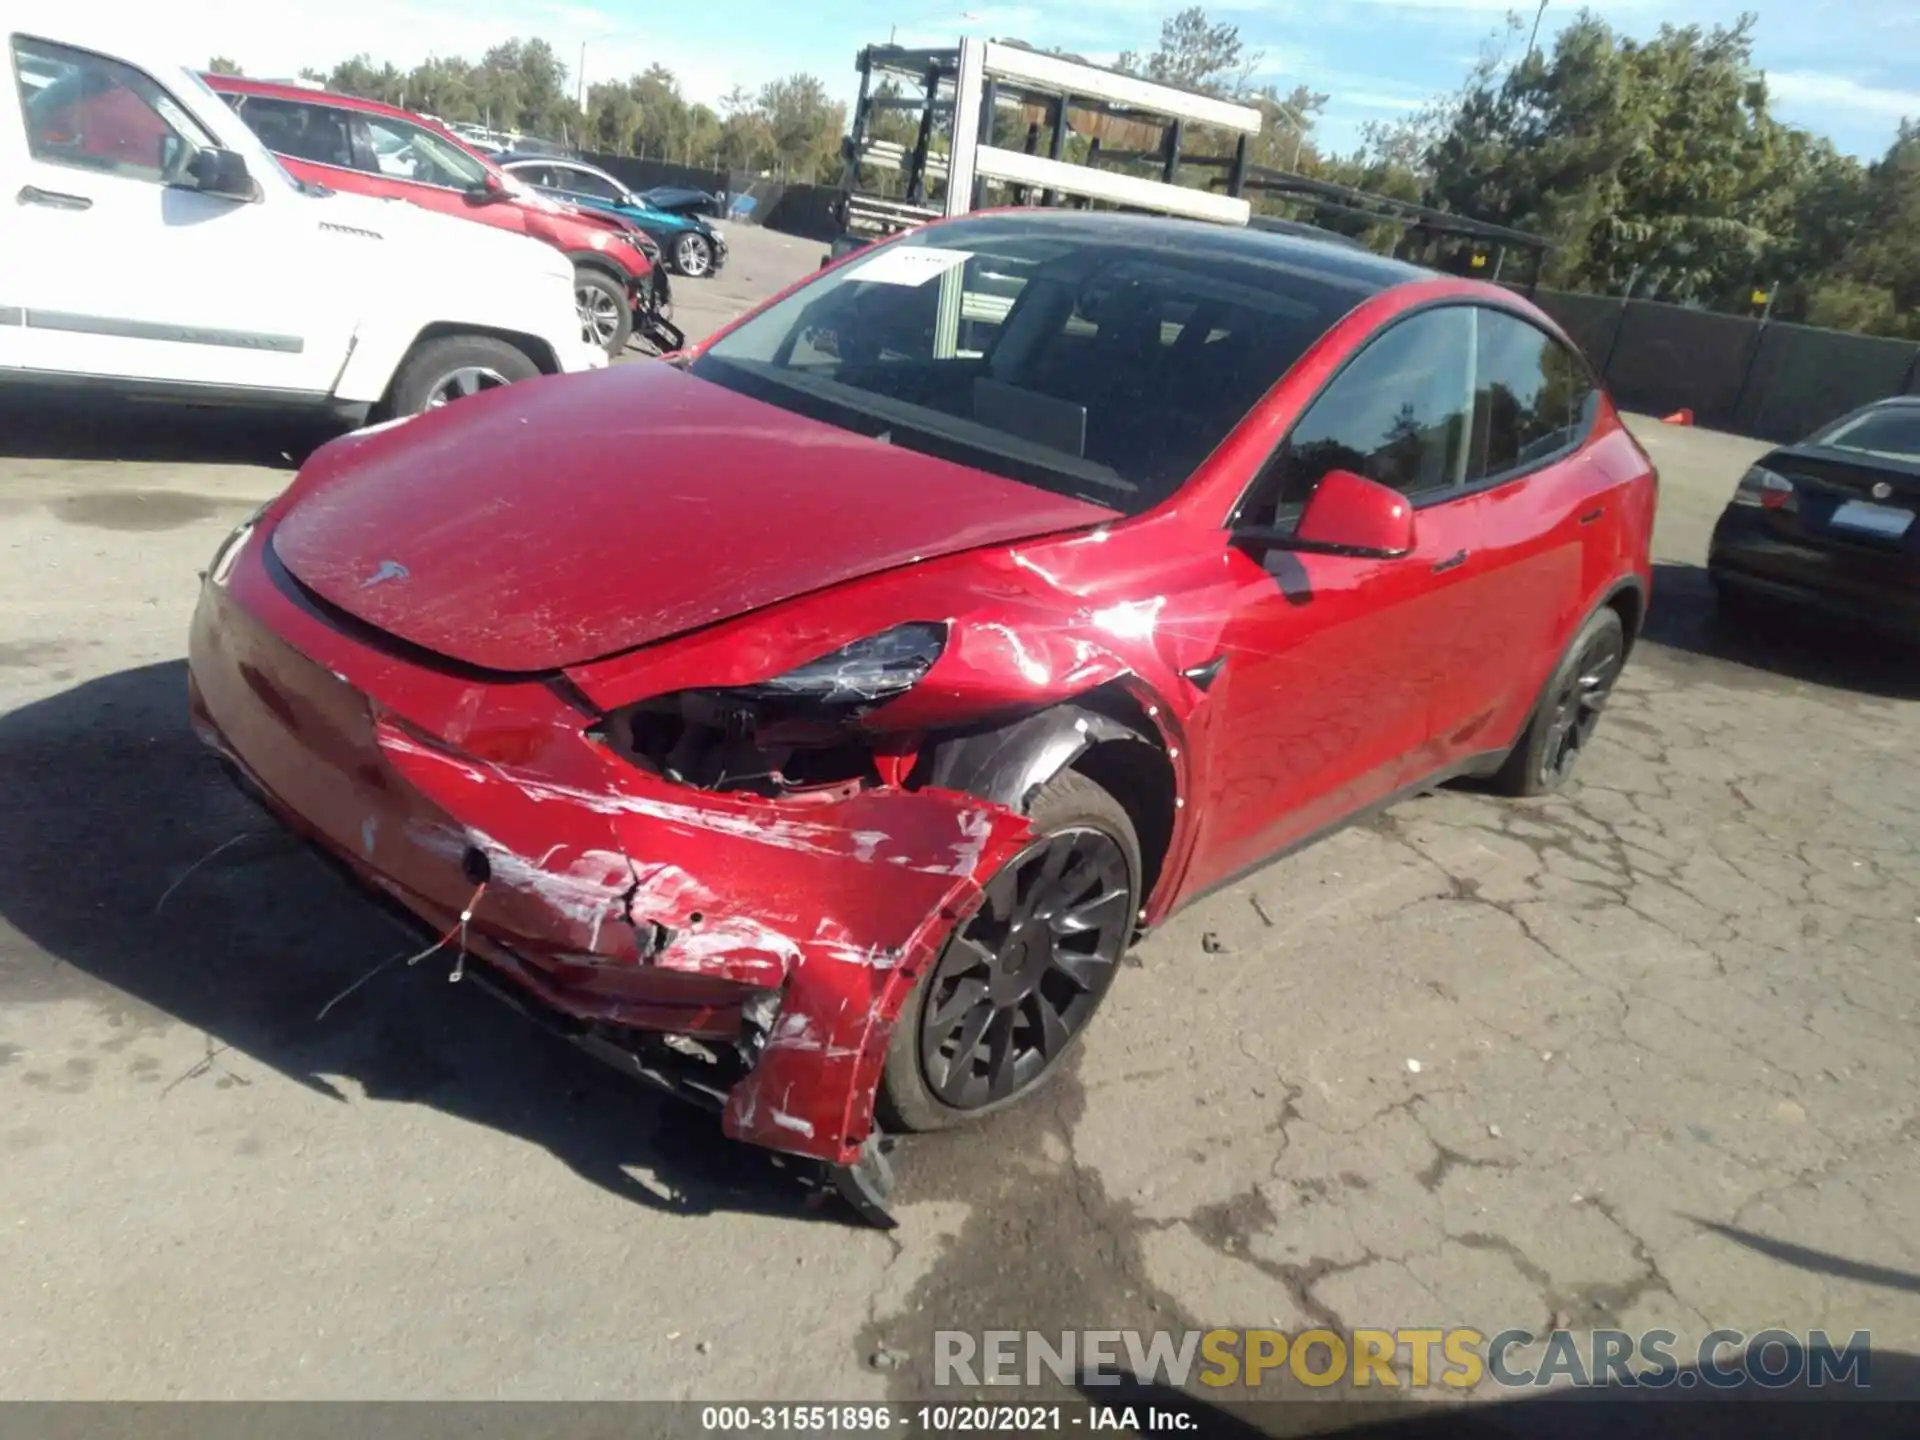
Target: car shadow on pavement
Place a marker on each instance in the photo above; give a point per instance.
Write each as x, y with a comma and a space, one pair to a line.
59, 427
111, 807
1795, 646
1691, 1406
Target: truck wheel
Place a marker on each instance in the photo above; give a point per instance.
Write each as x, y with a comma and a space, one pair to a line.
606, 315
454, 367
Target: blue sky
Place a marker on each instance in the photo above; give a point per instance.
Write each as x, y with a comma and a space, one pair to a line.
1845, 68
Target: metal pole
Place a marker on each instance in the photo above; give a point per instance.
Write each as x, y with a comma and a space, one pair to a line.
581, 88
857, 133
1237, 177
1536, 26
917, 170
1059, 147
1613, 344
989, 98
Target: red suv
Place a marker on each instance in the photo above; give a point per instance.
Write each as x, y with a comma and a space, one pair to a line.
974, 606
367, 148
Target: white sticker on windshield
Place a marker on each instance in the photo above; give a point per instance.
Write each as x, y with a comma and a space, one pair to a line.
916, 265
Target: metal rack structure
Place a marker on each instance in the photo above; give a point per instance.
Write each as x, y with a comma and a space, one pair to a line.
958, 91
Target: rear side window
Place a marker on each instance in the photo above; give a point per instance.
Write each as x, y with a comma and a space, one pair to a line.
1532, 396
91, 113
1398, 415
584, 182
317, 133
540, 176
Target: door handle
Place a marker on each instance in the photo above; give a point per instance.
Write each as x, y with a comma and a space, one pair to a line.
1452, 562
54, 199
1593, 515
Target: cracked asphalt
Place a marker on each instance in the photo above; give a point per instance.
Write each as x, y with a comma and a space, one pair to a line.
1638, 1056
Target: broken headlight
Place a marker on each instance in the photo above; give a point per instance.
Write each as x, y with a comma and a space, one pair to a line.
876, 668
796, 731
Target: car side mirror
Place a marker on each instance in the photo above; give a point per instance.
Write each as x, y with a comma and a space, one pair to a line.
1348, 515
221, 173
488, 190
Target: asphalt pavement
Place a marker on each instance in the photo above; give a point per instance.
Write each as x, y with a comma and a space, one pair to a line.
1639, 1055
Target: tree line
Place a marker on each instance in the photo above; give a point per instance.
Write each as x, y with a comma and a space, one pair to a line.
788, 127
1652, 167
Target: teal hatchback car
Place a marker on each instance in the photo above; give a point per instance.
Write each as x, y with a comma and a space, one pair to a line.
693, 246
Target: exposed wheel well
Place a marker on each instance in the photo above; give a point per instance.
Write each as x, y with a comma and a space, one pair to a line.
593, 260
1138, 774
1631, 604
1139, 777
534, 348
1104, 734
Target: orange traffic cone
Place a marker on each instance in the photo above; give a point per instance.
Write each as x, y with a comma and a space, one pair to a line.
1678, 417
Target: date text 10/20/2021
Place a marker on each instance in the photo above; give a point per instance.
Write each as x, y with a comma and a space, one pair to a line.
967, 1419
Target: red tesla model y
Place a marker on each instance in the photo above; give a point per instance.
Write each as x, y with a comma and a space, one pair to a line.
811, 722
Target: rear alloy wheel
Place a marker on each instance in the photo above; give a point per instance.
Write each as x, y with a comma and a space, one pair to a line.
1018, 980
692, 255
444, 371
1563, 725
606, 317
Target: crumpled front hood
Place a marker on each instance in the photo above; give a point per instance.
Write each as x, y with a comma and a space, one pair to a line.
560, 520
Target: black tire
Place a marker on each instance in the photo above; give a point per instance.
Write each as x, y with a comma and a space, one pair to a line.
606, 314
424, 377
693, 254
1089, 827
1544, 757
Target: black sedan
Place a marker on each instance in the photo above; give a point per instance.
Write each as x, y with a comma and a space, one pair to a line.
1830, 524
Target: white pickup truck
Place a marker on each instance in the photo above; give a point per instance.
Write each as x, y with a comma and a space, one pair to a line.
150, 245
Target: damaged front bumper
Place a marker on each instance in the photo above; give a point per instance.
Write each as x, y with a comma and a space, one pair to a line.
752, 953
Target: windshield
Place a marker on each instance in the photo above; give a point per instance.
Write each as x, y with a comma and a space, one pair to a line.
1892, 432
1090, 358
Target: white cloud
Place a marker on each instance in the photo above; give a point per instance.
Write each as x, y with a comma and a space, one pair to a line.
1814, 87
1379, 100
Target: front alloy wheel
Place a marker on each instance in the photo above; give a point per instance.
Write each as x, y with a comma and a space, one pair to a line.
692, 255
599, 310
1027, 971
1020, 978
458, 384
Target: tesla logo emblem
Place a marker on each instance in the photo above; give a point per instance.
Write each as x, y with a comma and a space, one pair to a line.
389, 570
1882, 490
